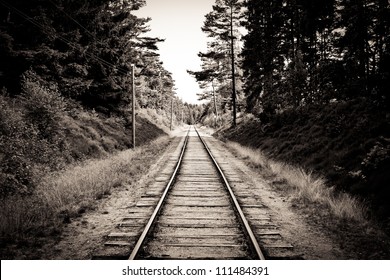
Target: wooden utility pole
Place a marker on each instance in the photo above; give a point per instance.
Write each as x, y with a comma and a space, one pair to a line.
133, 102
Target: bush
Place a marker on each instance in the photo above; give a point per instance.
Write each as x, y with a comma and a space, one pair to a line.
378, 156
15, 138
43, 106
31, 139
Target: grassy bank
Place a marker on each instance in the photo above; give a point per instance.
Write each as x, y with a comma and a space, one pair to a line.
57, 158
41, 133
303, 185
346, 143
69, 193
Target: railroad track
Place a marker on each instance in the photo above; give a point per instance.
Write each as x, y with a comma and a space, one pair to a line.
198, 216
192, 213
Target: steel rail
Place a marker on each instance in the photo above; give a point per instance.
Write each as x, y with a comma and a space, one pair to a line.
148, 226
248, 231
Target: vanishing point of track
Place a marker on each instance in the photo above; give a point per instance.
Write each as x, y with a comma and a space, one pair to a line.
198, 215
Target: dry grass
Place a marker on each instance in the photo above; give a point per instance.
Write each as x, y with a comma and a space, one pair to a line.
21, 215
158, 117
304, 185
70, 192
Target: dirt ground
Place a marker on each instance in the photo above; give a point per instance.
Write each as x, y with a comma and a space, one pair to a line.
313, 235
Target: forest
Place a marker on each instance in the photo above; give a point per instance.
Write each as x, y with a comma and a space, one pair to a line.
307, 82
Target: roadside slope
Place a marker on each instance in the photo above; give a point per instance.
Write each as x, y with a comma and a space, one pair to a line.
347, 142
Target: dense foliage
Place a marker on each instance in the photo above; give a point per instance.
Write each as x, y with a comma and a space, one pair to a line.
86, 47
317, 74
66, 84
295, 53
304, 52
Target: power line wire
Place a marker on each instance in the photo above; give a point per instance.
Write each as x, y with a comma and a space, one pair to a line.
71, 44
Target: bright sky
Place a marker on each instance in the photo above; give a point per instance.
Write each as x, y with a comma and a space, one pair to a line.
179, 22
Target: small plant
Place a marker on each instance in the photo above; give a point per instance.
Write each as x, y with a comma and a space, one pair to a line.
378, 155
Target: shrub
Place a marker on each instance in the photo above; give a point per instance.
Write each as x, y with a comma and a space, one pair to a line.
43, 106
378, 156
31, 139
15, 138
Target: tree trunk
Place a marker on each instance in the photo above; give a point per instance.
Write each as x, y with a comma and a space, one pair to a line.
233, 69
215, 103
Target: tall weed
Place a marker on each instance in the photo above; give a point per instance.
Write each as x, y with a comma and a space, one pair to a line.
304, 185
65, 194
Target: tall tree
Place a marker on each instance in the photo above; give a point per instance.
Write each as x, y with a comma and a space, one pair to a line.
261, 52
222, 25
213, 74
87, 47
366, 29
300, 52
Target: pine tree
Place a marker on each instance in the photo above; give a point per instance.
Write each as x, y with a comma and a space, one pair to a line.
213, 75
262, 52
222, 25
